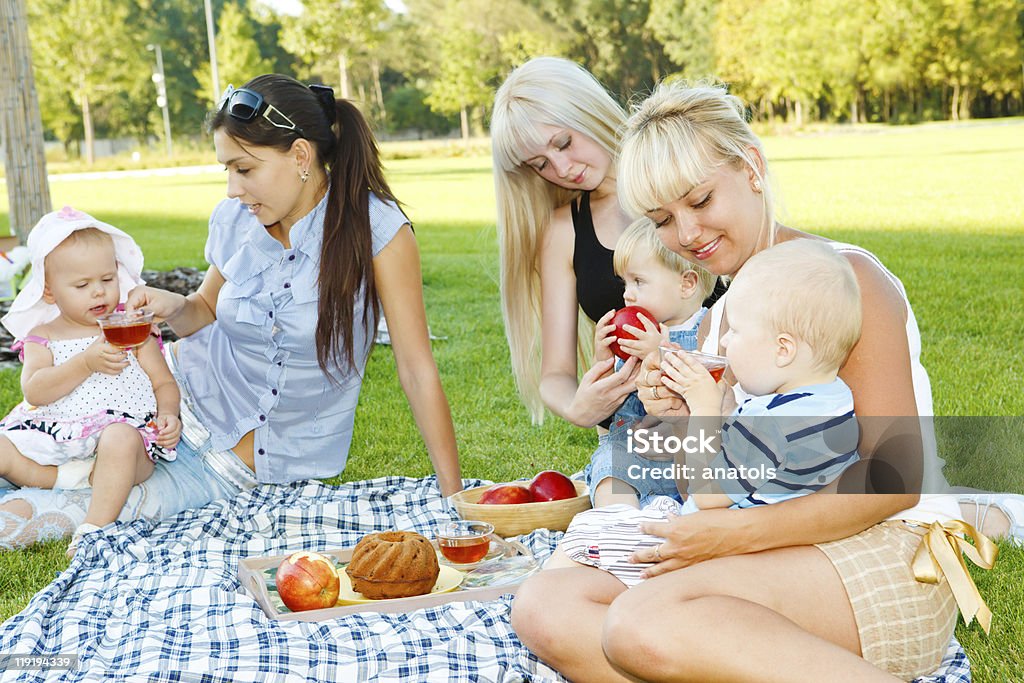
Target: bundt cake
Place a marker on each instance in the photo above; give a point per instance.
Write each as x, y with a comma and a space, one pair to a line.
393, 564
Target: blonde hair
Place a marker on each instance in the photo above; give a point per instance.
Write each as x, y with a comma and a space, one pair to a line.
804, 288
641, 239
543, 91
677, 137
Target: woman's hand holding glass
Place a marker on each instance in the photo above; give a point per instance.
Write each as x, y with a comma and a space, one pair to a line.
657, 398
160, 302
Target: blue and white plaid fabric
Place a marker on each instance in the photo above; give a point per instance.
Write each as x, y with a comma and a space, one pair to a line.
162, 602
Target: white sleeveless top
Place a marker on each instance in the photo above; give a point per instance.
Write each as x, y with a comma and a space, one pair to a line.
932, 506
129, 391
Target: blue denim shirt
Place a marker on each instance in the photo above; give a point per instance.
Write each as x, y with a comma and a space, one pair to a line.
632, 409
255, 367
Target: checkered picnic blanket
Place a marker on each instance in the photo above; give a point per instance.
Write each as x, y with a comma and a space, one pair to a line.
162, 602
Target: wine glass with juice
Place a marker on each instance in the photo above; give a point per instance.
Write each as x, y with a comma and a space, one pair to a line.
464, 541
126, 330
715, 365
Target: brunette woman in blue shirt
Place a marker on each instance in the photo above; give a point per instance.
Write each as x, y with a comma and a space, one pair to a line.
309, 249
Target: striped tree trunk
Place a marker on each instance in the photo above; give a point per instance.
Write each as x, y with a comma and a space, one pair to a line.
28, 190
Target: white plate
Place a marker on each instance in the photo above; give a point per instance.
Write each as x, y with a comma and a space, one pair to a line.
448, 580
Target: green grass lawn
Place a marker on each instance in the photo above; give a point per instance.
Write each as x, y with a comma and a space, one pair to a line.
941, 205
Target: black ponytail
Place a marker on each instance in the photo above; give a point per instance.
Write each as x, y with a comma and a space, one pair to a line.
346, 257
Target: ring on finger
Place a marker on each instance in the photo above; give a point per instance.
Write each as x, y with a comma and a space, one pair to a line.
654, 392
657, 552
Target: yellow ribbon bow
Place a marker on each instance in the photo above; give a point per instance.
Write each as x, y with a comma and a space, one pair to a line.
941, 554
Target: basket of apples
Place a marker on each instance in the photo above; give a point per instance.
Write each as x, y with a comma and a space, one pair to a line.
550, 500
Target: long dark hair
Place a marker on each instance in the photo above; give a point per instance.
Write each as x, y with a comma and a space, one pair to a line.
347, 149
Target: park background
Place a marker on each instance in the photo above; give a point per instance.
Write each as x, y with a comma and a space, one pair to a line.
891, 124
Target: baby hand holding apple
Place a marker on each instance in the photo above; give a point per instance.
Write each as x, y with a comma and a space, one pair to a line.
628, 331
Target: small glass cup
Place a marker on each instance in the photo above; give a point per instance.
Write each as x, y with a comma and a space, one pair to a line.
715, 365
465, 541
126, 330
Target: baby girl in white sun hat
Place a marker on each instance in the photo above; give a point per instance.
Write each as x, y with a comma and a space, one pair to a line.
94, 414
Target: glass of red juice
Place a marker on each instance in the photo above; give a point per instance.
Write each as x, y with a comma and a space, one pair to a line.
464, 541
126, 330
715, 365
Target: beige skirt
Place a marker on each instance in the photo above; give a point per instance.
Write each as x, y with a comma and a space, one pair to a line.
904, 625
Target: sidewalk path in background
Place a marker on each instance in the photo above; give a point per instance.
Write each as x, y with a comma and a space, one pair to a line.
137, 173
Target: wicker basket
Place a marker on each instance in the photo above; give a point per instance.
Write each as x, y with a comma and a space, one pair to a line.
522, 518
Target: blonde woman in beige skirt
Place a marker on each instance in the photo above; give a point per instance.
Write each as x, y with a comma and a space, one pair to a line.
828, 586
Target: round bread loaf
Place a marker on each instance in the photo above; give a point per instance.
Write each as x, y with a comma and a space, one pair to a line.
393, 564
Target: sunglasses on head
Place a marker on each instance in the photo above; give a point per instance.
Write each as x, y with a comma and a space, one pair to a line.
245, 105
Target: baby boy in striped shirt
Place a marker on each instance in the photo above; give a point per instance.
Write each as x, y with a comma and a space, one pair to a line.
794, 314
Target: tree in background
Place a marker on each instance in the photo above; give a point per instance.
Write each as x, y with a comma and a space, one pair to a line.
408, 110
474, 45
686, 31
977, 48
464, 62
737, 47
335, 31
838, 60
21, 130
408, 56
268, 32
179, 27
238, 53
894, 40
85, 51
614, 39
886, 58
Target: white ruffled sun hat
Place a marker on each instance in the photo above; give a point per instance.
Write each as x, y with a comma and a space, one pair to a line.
29, 310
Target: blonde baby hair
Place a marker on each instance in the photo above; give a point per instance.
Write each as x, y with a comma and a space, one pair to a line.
677, 137
805, 288
550, 91
86, 236
641, 239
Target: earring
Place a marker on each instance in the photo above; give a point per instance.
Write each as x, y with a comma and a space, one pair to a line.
304, 175
757, 186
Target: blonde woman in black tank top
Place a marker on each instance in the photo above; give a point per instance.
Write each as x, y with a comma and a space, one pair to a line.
554, 142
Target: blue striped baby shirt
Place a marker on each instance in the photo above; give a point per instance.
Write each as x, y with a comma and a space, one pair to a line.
781, 446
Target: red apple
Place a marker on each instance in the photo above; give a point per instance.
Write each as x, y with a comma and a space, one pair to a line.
307, 580
627, 315
506, 494
552, 485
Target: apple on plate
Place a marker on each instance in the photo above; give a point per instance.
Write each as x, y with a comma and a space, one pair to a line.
552, 485
307, 580
627, 315
506, 494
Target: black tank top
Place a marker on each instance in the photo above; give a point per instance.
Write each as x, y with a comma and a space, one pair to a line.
598, 289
